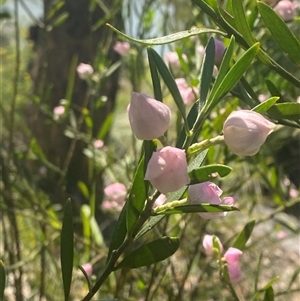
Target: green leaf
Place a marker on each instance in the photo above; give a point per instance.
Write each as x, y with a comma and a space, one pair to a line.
197, 161
208, 172
2, 280
233, 75
290, 110
170, 82
266, 105
154, 75
207, 71
225, 65
152, 252
294, 277
244, 235
119, 233
60, 19
137, 197
83, 189
67, 248
241, 21
194, 208
169, 38
280, 32
268, 285
269, 294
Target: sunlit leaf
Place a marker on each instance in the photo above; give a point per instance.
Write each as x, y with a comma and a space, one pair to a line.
266, 105
194, 208
137, 197
269, 294
169, 38
280, 32
67, 248
152, 252
244, 235
208, 172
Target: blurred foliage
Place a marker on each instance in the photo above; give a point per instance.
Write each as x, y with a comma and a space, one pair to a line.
266, 185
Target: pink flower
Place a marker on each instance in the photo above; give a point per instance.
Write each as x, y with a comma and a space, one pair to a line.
58, 112
148, 117
98, 143
262, 97
286, 9
116, 194
160, 200
84, 71
88, 268
173, 61
122, 48
209, 246
187, 93
232, 258
245, 131
167, 169
219, 51
208, 192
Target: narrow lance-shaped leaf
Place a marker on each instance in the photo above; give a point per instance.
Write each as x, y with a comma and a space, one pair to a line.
152, 252
2, 280
206, 72
265, 288
266, 105
209, 172
194, 208
241, 21
170, 83
233, 75
137, 197
244, 235
119, 233
169, 38
290, 110
225, 65
269, 294
67, 248
280, 32
154, 75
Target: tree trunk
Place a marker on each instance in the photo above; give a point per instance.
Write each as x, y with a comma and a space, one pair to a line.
74, 40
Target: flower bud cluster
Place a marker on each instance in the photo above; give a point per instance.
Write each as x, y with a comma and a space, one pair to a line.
231, 256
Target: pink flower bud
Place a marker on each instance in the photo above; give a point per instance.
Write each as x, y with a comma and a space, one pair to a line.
173, 61
88, 268
232, 258
286, 10
187, 93
209, 193
160, 200
219, 51
84, 71
98, 143
167, 169
116, 194
208, 244
122, 48
245, 131
59, 110
148, 117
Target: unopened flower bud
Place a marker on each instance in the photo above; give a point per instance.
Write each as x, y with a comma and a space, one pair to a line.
219, 51
187, 93
116, 194
286, 10
88, 268
167, 169
84, 71
209, 193
209, 246
148, 117
245, 131
232, 256
122, 48
173, 61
